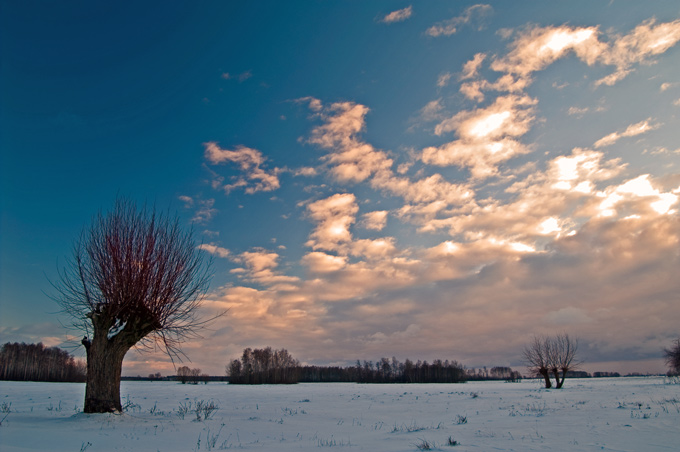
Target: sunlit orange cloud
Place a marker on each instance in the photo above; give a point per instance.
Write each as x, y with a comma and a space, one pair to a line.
352, 159
333, 216
543, 205
508, 267
449, 27
494, 275
249, 160
399, 15
261, 267
471, 68
538, 47
486, 136
631, 131
375, 220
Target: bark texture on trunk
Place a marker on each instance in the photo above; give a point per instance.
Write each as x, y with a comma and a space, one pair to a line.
104, 367
105, 362
559, 381
546, 376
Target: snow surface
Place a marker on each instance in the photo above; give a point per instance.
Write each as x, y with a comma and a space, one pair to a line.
618, 414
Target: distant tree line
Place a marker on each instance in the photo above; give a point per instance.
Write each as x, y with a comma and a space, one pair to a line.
35, 362
393, 371
264, 366
267, 366
495, 373
193, 376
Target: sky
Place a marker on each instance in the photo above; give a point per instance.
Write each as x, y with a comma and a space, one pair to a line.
441, 179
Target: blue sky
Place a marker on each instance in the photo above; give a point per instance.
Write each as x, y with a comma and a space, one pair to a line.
436, 179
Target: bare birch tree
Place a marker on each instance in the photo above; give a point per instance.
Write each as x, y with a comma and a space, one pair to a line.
135, 278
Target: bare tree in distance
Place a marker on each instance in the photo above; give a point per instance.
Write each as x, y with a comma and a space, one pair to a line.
536, 359
672, 357
135, 279
556, 355
563, 357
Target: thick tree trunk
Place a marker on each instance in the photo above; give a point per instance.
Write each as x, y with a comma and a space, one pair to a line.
104, 367
546, 376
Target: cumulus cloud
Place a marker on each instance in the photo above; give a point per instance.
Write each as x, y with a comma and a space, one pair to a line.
375, 220
538, 47
486, 136
432, 111
214, 249
576, 111
260, 267
443, 79
474, 14
353, 160
250, 162
666, 86
398, 16
574, 239
631, 131
203, 208
320, 262
333, 216
471, 68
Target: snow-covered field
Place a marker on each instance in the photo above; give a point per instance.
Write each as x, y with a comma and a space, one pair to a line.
624, 414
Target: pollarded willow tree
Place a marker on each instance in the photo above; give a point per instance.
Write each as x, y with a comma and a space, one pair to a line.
554, 355
135, 279
672, 357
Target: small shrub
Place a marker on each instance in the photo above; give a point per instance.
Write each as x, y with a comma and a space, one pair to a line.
461, 420
424, 445
452, 442
204, 410
183, 409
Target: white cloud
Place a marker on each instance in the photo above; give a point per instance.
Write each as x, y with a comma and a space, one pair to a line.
576, 111
432, 111
375, 220
214, 249
486, 136
471, 68
568, 221
353, 160
334, 216
631, 131
260, 267
538, 47
666, 86
443, 79
250, 161
320, 262
204, 208
398, 16
473, 14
